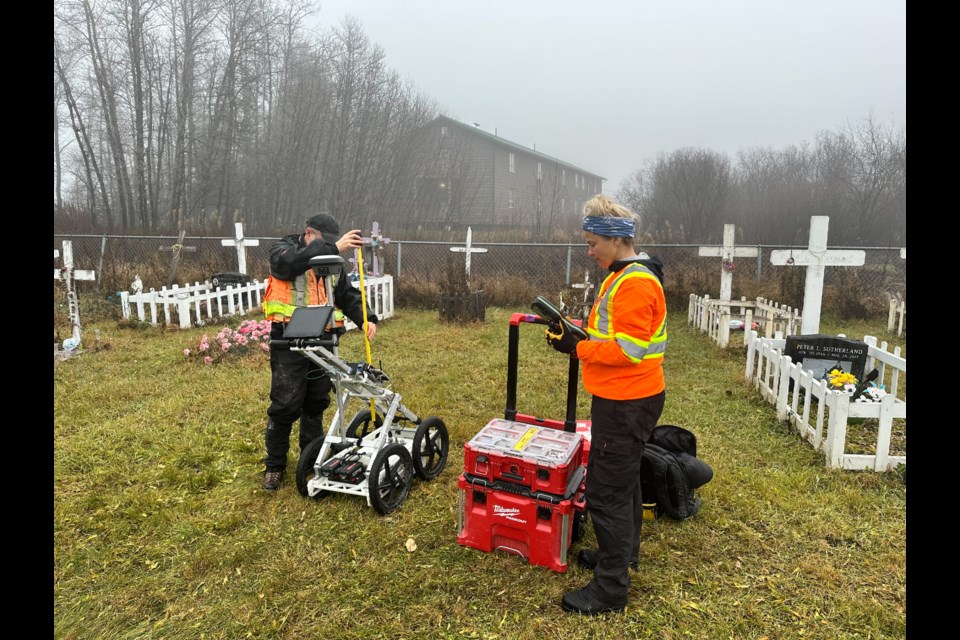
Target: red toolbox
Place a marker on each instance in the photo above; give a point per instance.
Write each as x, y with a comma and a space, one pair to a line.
522, 490
538, 528
539, 458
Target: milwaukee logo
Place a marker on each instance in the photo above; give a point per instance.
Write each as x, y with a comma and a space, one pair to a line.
510, 513
504, 511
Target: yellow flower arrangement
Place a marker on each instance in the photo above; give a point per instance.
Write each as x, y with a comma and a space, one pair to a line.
841, 380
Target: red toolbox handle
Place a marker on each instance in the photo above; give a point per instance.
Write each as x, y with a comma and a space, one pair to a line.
513, 360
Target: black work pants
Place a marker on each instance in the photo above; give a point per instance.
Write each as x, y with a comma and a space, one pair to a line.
619, 430
299, 388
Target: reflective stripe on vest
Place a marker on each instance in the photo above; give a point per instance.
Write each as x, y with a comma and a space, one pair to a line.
601, 324
282, 297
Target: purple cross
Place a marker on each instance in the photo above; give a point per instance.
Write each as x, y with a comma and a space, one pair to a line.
375, 242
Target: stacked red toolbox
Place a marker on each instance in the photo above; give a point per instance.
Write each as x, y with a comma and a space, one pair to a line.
537, 458
532, 527
522, 486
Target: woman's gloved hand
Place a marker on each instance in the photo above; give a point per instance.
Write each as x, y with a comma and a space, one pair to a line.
564, 341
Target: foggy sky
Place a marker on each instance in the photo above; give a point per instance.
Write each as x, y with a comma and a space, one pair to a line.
607, 84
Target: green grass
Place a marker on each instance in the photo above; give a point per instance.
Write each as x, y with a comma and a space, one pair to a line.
161, 529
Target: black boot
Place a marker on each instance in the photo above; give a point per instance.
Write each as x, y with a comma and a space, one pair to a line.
589, 602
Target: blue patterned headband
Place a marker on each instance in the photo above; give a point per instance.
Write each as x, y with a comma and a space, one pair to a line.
614, 227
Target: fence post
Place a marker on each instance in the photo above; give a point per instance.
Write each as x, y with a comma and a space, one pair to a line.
759, 262
399, 256
783, 389
885, 425
839, 406
103, 249
569, 256
750, 338
725, 327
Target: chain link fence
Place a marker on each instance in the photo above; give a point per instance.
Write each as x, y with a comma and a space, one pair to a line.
511, 275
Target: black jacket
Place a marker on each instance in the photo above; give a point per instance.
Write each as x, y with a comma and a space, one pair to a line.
289, 258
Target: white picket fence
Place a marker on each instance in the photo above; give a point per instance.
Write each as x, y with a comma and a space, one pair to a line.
771, 372
199, 303
898, 314
713, 317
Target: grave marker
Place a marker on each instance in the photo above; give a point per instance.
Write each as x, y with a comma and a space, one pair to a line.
582, 309
469, 249
175, 260
241, 244
68, 274
375, 242
815, 257
822, 353
728, 251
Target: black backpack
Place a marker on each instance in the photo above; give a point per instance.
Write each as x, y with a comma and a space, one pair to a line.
670, 472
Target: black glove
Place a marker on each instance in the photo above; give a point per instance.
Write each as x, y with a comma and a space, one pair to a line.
563, 341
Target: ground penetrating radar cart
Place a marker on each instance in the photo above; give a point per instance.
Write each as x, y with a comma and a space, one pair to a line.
378, 451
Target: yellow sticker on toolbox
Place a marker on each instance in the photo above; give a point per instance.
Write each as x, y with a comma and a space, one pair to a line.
525, 438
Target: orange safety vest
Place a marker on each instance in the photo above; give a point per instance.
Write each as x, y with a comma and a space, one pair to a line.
623, 359
282, 297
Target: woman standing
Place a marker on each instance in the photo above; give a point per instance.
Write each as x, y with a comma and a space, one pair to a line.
622, 364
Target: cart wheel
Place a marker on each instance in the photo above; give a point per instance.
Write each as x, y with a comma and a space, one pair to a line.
431, 443
579, 526
361, 424
308, 457
390, 479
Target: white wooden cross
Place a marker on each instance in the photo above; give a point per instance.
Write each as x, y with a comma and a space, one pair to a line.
815, 257
175, 261
241, 243
468, 250
581, 309
586, 285
68, 274
728, 252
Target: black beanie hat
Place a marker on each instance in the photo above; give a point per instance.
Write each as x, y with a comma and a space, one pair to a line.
325, 224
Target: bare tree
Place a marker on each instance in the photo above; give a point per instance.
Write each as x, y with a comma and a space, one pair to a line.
863, 173
92, 173
691, 187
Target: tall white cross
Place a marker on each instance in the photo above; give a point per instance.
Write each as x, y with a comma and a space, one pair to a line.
468, 250
68, 274
815, 257
728, 252
241, 243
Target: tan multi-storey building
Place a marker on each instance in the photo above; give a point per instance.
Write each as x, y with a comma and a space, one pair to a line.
469, 177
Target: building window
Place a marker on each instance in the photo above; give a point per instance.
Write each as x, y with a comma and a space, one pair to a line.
513, 164
443, 130
510, 194
563, 177
563, 205
539, 171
